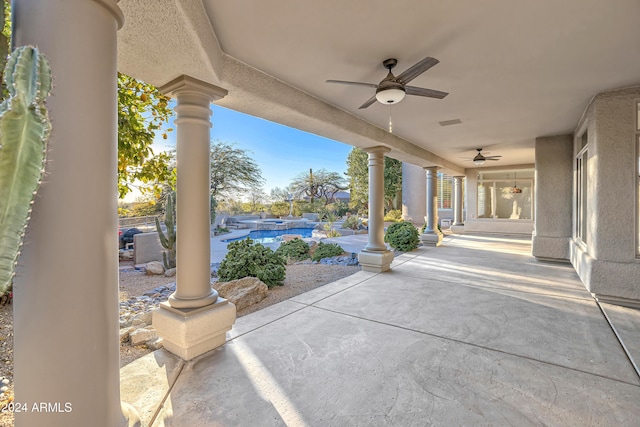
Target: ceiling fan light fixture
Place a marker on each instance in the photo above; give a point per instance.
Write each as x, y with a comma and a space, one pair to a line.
478, 162
390, 96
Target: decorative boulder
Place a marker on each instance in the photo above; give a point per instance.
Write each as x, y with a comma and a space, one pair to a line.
142, 335
242, 292
170, 272
290, 237
154, 267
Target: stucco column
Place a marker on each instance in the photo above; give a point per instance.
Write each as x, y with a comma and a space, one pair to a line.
457, 200
553, 197
413, 194
375, 256
431, 235
66, 347
194, 320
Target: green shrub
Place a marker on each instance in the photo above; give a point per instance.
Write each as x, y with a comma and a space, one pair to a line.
402, 236
326, 250
394, 215
246, 259
352, 222
296, 249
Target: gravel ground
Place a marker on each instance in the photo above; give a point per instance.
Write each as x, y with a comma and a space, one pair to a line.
300, 278
6, 360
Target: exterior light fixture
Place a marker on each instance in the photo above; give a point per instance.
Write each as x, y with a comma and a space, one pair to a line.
515, 188
390, 96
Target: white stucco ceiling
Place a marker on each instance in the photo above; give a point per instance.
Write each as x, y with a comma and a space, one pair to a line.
514, 70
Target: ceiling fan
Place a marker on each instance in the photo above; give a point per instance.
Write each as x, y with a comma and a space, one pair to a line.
392, 89
479, 159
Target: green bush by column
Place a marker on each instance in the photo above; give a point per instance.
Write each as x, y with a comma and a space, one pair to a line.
402, 236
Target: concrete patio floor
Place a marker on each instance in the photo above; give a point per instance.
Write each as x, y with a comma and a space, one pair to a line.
473, 332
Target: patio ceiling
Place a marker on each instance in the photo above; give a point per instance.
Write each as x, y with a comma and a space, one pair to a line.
514, 70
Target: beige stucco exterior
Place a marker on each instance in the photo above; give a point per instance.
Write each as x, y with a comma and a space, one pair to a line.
607, 262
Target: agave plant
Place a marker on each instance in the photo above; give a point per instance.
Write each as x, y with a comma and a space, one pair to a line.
24, 130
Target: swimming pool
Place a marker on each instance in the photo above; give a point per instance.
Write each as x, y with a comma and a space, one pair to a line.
271, 236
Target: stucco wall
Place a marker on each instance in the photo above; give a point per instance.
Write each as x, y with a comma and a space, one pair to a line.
553, 197
414, 193
147, 247
607, 264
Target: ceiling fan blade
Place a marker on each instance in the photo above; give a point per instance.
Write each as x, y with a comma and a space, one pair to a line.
343, 82
368, 102
492, 157
417, 69
420, 91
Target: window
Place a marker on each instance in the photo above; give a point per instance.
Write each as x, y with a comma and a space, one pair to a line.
506, 195
581, 193
445, 191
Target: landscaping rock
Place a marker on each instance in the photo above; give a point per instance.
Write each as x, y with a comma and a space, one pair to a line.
141, 336
290, 237
170, 272
142, 319
242, 292
124, 333
154, 344
348, 260
154, 267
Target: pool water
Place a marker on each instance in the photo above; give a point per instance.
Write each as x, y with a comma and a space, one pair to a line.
271, 236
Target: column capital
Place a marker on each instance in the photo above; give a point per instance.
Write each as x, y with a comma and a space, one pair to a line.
380, 149
431, 168
113, 9
188, 85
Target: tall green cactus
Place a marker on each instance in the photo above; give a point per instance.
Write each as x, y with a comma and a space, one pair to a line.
168, 241
24, 129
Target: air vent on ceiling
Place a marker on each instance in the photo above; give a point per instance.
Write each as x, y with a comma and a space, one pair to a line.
450, 122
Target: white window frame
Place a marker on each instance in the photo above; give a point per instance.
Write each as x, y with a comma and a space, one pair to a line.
530, 183
442, 196
581, 194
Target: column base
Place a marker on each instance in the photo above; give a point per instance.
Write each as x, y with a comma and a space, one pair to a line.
457, 229
431, 239
375, 261
190, 332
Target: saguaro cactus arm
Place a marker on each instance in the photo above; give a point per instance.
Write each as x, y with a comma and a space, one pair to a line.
24, 129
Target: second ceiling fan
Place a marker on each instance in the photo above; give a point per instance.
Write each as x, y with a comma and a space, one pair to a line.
480, 158
392, 89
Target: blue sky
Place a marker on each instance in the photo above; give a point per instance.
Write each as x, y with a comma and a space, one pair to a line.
280, 151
